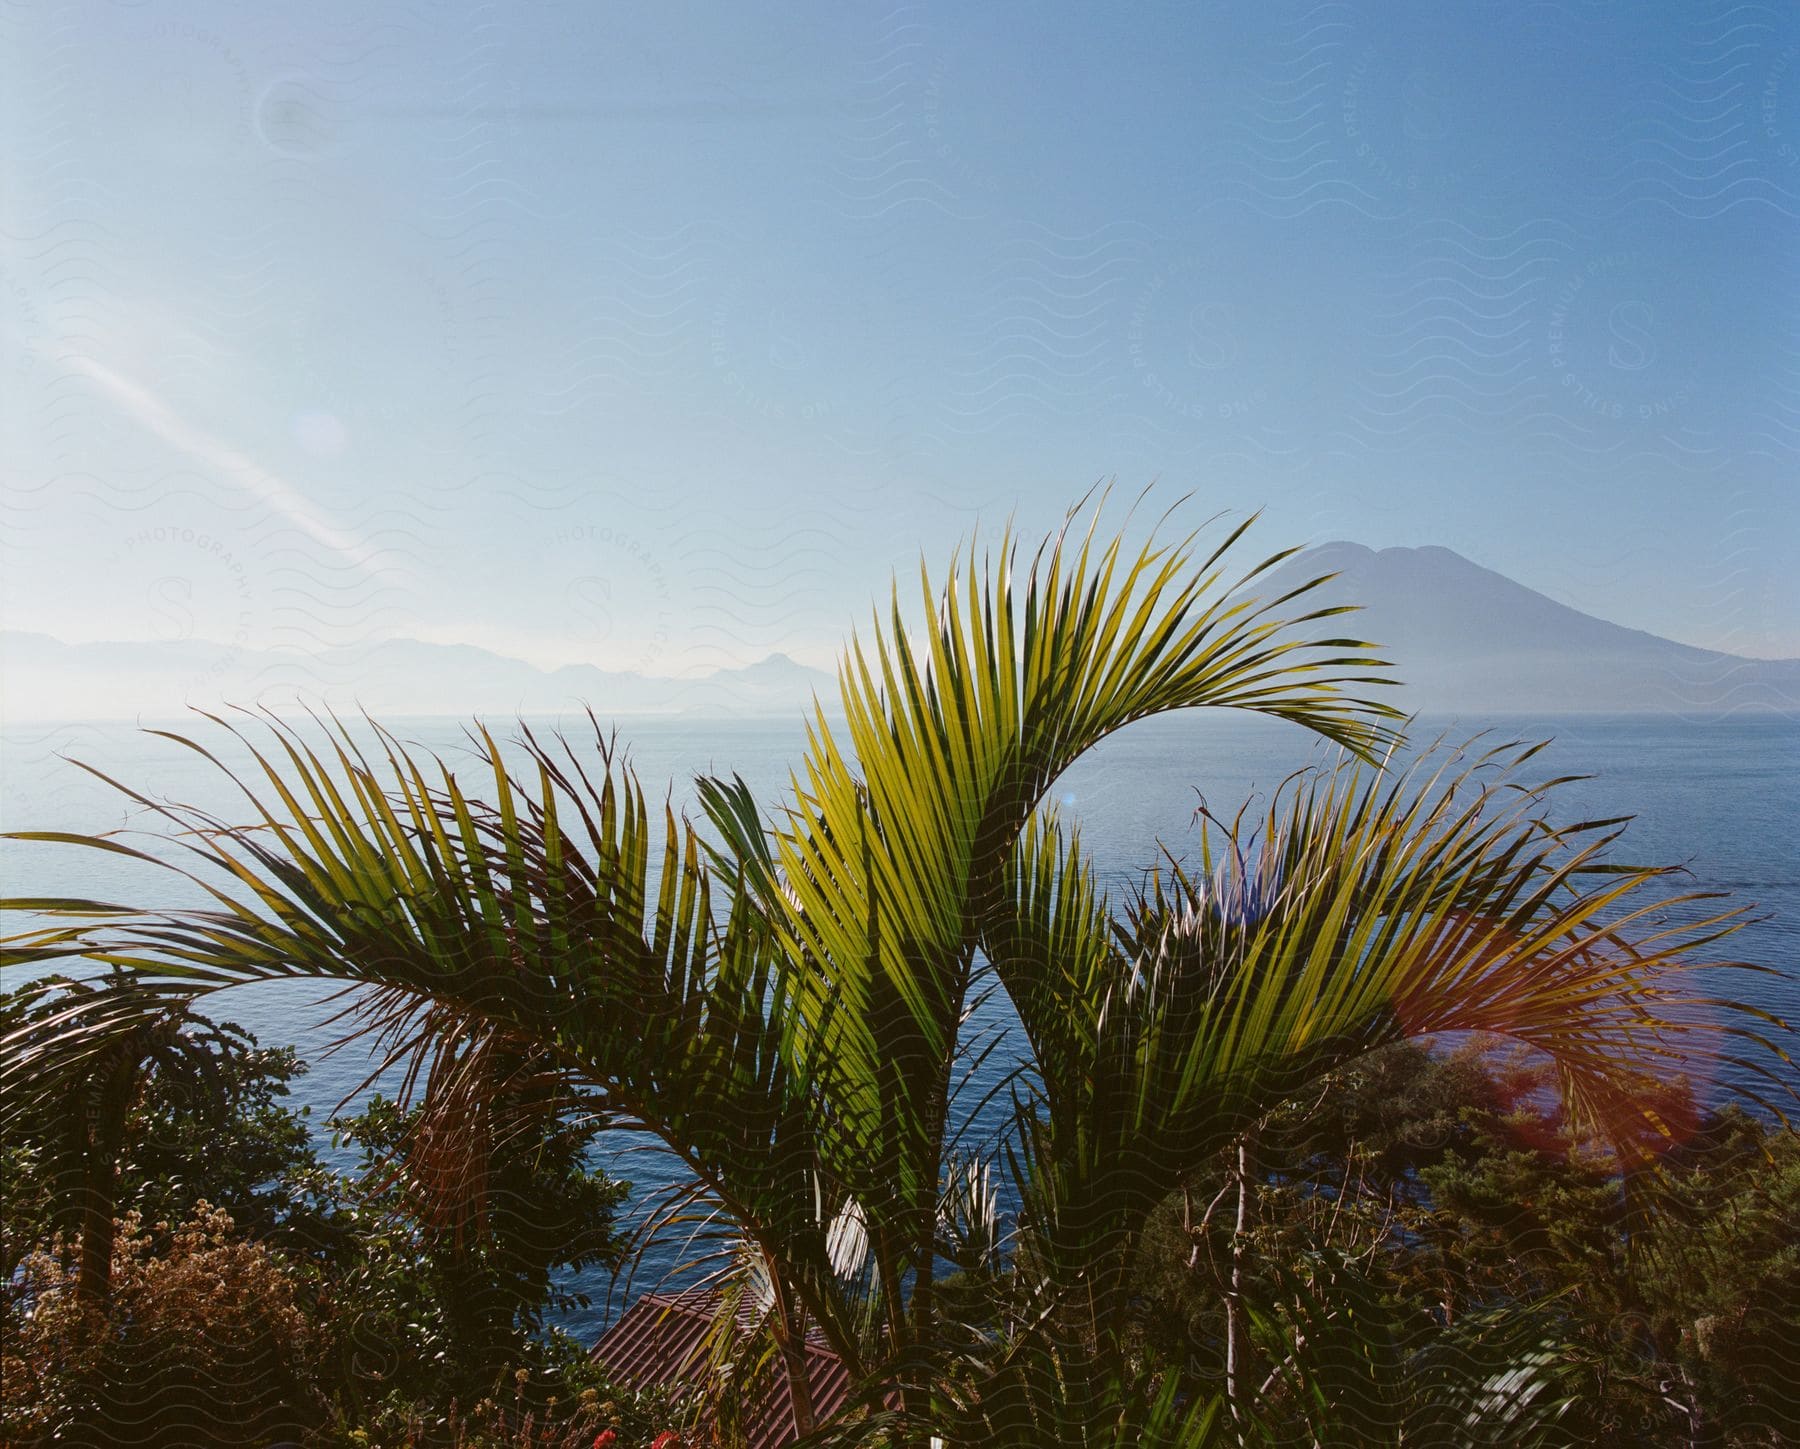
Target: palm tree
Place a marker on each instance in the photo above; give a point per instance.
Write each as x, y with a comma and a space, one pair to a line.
782, 997
78, 1111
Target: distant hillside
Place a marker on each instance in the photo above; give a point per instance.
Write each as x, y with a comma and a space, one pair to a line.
1466, 640
1463, 639
44, 678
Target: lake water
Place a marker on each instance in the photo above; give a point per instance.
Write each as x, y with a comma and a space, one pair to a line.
1721, 796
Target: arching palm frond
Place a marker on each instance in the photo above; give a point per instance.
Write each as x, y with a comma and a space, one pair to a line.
1436, 899
902, 830
782, 998
551, 926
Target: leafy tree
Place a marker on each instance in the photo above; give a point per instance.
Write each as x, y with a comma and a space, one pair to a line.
1430, 1229
206, 1338
165, 1111
435, 1311
781, 997
1719, 1283
402, 1304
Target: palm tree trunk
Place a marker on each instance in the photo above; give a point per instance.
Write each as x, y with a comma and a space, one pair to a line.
790, 1339
921, 1311
793, 1360
1237, 1328
93, 1284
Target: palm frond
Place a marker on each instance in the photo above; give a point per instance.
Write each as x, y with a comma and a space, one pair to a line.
1435, 900
901, 831
783, 998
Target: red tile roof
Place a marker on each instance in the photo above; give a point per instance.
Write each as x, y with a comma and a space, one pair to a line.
661, 1339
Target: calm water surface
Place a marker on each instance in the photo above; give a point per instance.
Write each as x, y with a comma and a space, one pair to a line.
1720, 796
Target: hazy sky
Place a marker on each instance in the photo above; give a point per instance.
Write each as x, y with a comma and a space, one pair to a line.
657, 336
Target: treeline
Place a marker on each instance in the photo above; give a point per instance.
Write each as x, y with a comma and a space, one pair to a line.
183, 1268
1421, 1221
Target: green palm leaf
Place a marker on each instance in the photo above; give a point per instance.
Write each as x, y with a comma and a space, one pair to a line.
782, 999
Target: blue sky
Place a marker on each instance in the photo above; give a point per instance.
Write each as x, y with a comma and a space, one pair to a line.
656, 337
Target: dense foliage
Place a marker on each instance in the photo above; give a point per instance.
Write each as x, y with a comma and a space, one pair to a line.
431, 1308
206, 1339
1424, 1212
253, 1294
781, 995
1439, 1206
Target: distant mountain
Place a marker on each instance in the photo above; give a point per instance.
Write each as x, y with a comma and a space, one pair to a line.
1466, 640
44, 678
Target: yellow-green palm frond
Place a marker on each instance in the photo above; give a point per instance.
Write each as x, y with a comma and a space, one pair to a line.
902, 827
1363, 907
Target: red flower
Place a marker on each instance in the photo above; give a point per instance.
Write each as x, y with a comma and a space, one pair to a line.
668, 1439
605, 1439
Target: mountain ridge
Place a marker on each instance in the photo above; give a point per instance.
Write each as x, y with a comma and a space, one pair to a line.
1466, 639
105, 679
1463, 639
